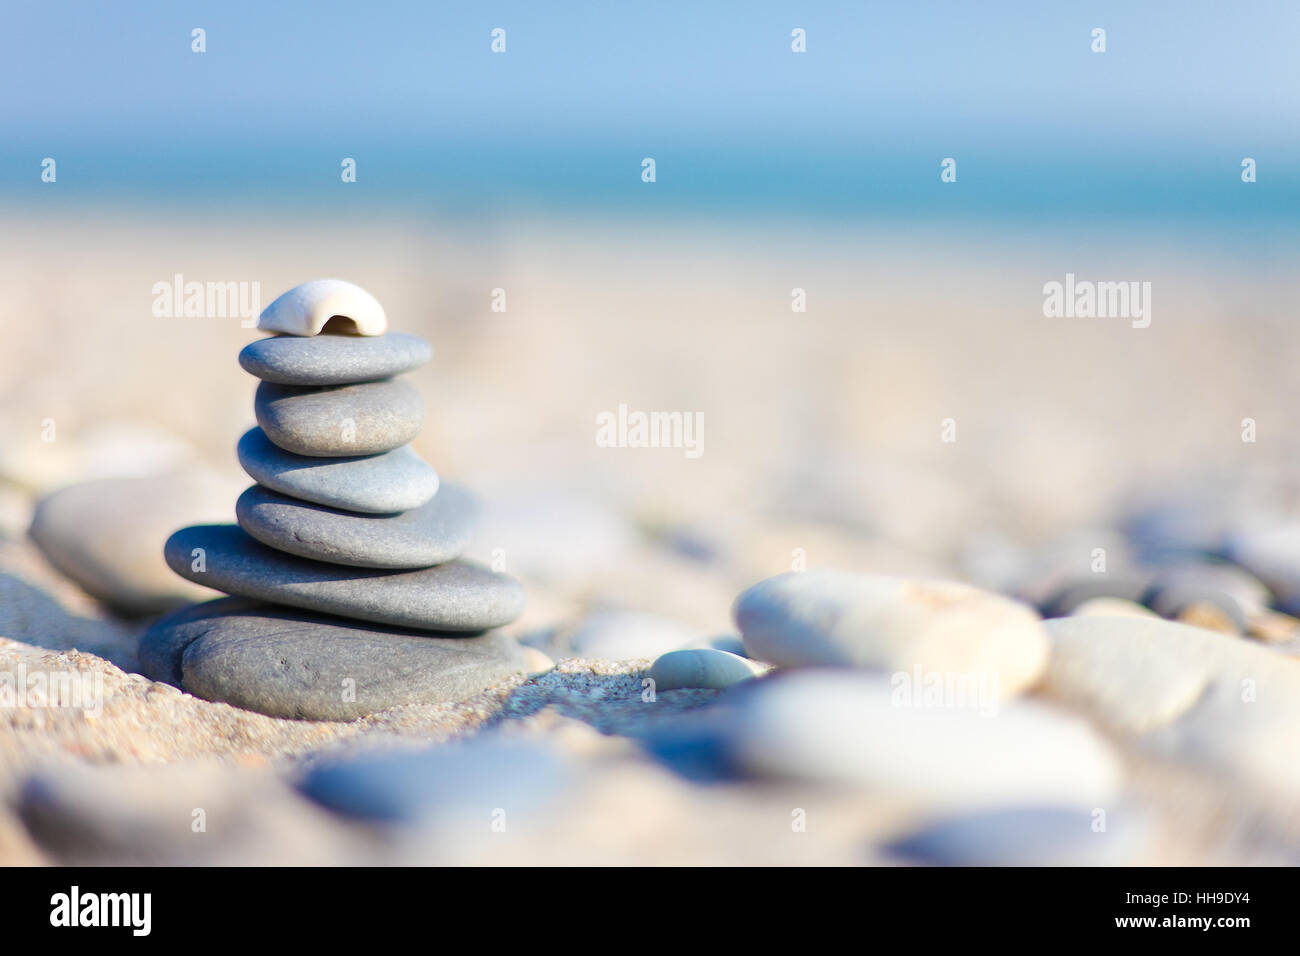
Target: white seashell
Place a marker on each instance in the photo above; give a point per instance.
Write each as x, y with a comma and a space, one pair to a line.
305, 309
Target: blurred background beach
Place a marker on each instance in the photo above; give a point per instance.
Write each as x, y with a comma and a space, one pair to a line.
775, 171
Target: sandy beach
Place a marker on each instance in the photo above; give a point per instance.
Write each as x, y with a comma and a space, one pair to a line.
825, 439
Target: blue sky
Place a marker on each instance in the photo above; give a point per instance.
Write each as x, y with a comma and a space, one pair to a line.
1154, 127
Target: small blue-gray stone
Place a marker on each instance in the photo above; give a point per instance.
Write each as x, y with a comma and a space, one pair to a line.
393, 481
703, 667
339, 420
333, 359
456, 596
433, 533
299, 665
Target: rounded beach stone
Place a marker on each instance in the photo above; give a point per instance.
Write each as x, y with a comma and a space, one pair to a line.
334, 359
457, 596
536, 662
832, 618
434, 533
104, 535
702, 667
1212, 700
295, 664
339, 420
393, 481
856, 728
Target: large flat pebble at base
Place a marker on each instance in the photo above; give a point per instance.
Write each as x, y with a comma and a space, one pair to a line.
340, 420
434, 533
457, 596
293, 664
333, 359
387, 483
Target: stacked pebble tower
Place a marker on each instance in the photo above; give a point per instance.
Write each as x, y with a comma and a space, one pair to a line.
346, 523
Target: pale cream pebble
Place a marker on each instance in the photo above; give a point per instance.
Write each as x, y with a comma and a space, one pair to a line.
831, 618
536, 662
1211, 700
